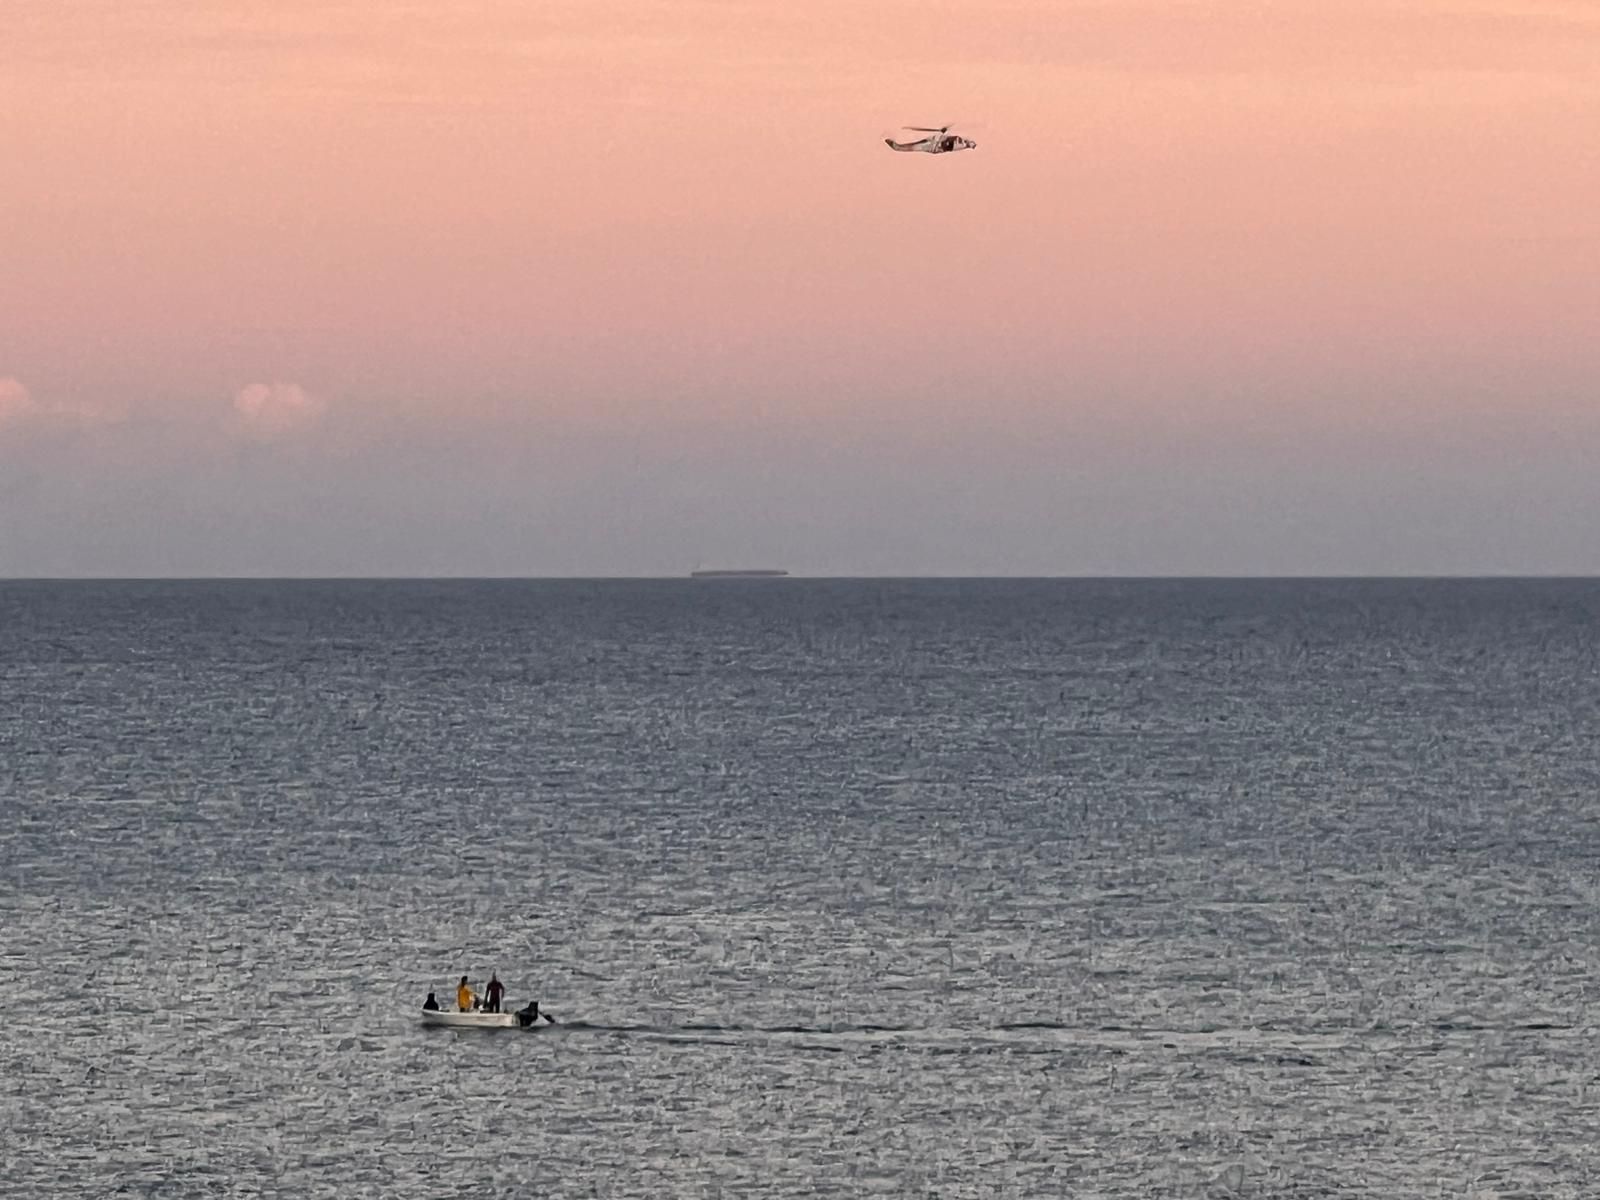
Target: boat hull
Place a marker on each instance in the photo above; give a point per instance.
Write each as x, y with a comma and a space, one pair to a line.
470, 1020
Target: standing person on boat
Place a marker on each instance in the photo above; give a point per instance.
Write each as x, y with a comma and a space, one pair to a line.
466, 1000
493, 992
430, 1004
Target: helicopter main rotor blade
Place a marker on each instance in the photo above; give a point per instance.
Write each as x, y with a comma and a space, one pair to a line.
924, 128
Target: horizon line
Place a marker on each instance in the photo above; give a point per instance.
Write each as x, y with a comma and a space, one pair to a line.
791, 577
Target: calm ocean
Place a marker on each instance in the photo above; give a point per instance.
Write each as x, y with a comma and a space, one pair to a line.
837, 888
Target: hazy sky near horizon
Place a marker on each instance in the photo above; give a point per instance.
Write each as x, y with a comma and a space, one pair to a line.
626, 286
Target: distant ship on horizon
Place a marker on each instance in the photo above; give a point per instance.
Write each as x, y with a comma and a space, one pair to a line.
738, 573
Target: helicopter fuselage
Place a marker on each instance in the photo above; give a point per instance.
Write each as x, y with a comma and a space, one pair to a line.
946, 143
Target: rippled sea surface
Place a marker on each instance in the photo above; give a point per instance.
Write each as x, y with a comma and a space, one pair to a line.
837, 888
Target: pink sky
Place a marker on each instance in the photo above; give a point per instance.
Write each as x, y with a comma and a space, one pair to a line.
592, 286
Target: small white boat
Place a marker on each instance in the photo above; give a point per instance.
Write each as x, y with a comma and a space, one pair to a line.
470, 1020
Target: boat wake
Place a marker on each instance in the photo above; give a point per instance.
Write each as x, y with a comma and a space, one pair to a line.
1303, 1047
1018, 1037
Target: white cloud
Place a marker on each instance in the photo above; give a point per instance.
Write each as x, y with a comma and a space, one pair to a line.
25, 413
269, 411
16, 403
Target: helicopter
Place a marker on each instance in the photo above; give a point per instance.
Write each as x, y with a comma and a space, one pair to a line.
944, 143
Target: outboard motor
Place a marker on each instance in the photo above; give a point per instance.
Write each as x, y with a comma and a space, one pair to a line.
527, 1016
